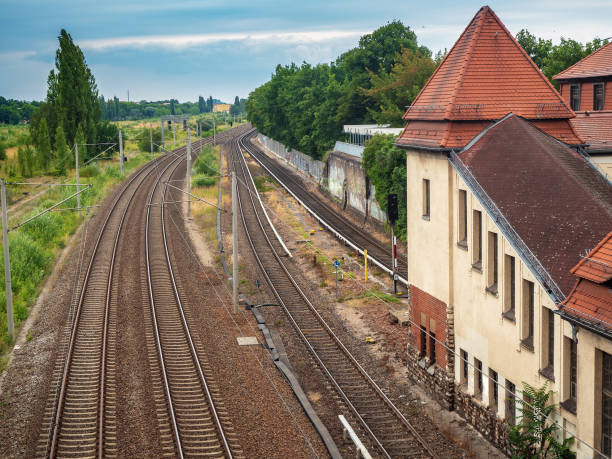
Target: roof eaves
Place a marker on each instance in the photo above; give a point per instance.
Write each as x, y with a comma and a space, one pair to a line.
406, 146
595, 249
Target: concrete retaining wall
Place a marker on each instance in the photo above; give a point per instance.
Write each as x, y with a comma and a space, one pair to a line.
342, 177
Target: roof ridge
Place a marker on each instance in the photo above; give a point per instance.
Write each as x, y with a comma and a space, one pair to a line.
481, 14
556, 77
530, 61
440, 65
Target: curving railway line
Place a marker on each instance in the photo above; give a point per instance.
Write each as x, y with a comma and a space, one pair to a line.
342, 228
388, 430
80, 418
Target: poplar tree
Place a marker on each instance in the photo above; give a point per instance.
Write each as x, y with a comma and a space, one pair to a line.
44, 146
80, 140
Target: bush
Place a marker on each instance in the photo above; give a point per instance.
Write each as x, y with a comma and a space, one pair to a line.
203, 180
89, 171
2, 151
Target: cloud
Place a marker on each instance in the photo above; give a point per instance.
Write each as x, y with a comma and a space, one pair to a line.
17, 55
192, 40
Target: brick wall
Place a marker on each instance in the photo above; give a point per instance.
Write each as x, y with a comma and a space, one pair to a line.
427, 310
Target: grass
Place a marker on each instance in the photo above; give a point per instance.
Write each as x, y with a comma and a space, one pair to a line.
35, 247
377, 294
262, 183
204, 185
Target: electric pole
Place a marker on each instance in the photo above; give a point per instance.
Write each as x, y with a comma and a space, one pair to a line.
174, 133
76, 162
7, 267
188, 172
235, 240
120, 151
163, 144
214, 131
151, 138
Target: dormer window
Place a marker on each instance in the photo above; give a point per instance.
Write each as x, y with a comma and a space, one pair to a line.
575, 97
598, 96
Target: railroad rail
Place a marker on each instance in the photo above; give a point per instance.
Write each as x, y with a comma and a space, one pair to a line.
79, 419
386, 427
200, 424
328, 217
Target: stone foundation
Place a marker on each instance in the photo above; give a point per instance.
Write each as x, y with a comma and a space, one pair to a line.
432, 378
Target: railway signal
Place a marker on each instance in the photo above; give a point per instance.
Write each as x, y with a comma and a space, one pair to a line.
121, 159
392, 214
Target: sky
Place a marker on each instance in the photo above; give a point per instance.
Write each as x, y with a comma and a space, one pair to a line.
186, 48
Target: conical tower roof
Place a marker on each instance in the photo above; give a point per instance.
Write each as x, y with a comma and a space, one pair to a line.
485, 76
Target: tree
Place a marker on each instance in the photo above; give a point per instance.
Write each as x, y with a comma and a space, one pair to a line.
552, 59
44, 146
385, 167
25, 160
201, 104
172, 107
210, 103
144, 140
72, 94
61, 151
535, 433
79, 140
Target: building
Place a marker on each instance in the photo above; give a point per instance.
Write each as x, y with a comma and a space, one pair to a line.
221, 108
587, 347
501, 207
587, 87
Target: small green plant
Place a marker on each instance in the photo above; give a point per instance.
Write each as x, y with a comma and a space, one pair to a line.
29, 336
89, 171
323, 283
535, 433
261, 183
201, 180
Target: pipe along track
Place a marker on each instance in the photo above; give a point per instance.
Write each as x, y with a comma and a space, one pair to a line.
79, 418
391, 434
343, 229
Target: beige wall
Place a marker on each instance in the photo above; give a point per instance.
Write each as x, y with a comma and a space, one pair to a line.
442, 268
603, 163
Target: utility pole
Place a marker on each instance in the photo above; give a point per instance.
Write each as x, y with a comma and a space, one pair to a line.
214, 131
76, 161
174, 133
235, 240
163, 145
120, 151
151, 138
188, 172
7, 267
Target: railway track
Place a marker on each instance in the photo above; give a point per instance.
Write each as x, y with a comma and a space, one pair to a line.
291, 181
387, 429
198, 419
80, 418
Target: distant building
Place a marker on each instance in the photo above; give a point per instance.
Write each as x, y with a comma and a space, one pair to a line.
500, 207
587, 87
221, 107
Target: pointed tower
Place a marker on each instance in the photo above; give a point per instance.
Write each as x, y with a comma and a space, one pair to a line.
485, 76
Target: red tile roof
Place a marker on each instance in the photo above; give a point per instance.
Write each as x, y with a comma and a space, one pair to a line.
596, 64
591, 298
555, 200
485, 76
590, 302
597, 265
596, 130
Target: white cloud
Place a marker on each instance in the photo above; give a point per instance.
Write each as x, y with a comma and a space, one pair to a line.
187, 41
17, 55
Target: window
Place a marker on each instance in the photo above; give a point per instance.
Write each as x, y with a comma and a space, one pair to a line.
477, 239
509, 288
464, 366
528, 314
423, 341
510, 402
492, 262
549, 345
573, 373
598, 96
462, 218
606, 409
493, 389
575, 96
432, 341
426, 199
478, 378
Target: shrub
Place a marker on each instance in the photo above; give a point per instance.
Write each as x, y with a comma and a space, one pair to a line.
203, 180
89, 171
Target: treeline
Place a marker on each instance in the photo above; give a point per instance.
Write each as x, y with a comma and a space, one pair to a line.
305, 106
117, 110
16, 111
552, 59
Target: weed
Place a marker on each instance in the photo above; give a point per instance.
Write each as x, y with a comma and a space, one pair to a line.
323, 283
29, 336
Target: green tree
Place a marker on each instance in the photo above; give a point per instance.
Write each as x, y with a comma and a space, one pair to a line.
172, 107
535, 433
385, 167
44, 146
25, 160
80, 140
201, 105
61, 151
144, 140
72, 95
